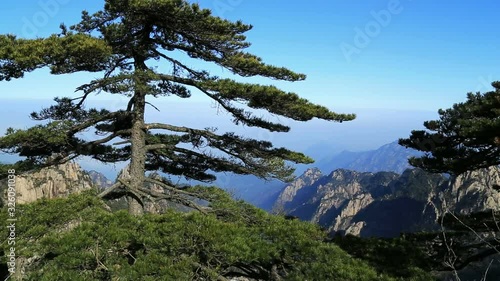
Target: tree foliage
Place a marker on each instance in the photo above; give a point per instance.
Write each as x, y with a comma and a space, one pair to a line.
125, 42
466, 137
394, 256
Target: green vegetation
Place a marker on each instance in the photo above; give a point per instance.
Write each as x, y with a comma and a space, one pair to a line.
79, 239
396, 256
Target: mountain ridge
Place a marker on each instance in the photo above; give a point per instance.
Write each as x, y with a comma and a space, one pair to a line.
390, 157
384, 204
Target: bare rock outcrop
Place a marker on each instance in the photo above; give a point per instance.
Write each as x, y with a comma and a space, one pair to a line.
343, 221
385, 203
309, 177
58, 181
472, 192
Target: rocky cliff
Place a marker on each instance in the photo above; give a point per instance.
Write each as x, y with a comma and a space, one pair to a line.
385, 203
99, 179
479, 187
58, 181
290, 191
69, 178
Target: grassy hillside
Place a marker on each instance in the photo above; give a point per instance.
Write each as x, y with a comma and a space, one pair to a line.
79, 239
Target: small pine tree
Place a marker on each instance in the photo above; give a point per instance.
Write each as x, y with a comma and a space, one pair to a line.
467, 136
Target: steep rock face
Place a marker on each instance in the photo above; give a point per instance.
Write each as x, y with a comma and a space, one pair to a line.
355, 228
342, 192
99, 179
333, 200
309, 177
344, 220
475, 186
386, 204
58, 181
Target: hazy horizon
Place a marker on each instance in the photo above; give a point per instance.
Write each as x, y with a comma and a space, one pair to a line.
319, 139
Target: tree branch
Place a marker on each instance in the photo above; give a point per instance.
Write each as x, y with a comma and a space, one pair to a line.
176, 199
109, 190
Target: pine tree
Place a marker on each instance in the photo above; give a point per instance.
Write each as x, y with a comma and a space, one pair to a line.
122, 41
467, 136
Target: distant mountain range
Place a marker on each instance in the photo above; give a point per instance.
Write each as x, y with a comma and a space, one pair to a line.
385, 204
391, 157
388, 158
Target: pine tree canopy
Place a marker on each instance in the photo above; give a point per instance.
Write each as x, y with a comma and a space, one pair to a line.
125, 42
467, 136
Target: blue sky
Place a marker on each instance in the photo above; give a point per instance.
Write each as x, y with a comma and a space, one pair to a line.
426, 55
394, 63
